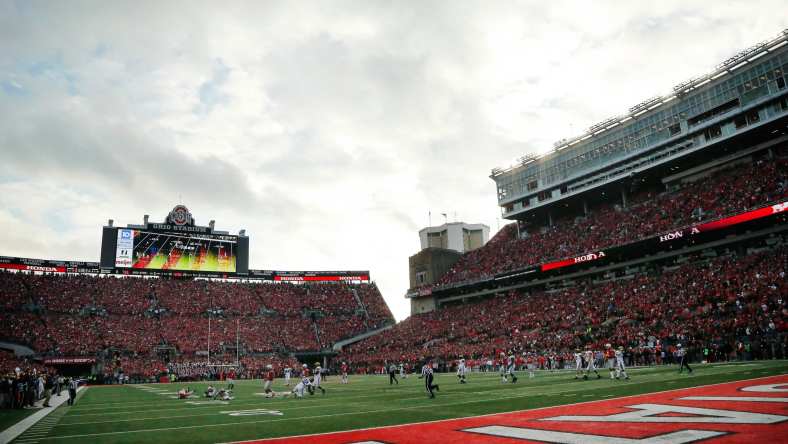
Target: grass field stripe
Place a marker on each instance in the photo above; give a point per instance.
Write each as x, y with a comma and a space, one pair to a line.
354, 413
418, 388
321, 406
492, 414
509, 394
476, 375
509, 389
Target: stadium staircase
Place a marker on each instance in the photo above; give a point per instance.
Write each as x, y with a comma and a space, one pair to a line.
18, 349
345, 342
360, 304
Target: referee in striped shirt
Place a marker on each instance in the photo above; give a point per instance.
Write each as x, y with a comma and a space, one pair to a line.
682, 354
426, 372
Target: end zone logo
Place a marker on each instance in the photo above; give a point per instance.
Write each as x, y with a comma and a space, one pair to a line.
751, 411
180, 216
779, 208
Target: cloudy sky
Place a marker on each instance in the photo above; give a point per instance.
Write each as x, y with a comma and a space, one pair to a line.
326, 129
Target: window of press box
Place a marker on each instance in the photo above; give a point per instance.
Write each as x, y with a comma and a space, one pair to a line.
740, 121
753, 117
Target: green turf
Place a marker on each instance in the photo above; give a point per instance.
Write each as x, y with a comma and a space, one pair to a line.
9, 417
125, 414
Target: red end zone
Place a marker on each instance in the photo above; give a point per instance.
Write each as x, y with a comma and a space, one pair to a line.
738, 412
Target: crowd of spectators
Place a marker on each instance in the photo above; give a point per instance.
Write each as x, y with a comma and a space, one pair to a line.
724, 192
23, 382
70, 315
722, 306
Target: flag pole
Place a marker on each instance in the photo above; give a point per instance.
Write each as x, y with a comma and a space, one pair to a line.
237, 327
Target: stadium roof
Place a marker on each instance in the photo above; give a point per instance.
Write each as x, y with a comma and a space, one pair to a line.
727, 67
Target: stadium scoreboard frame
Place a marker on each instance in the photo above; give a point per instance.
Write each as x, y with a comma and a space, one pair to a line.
177, 246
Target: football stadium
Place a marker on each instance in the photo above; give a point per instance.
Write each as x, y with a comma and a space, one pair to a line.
635, 292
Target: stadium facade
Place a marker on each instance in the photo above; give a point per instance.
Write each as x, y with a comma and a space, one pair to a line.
707, 117
736, 115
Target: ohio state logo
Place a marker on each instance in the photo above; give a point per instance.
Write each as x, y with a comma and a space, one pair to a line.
180, 215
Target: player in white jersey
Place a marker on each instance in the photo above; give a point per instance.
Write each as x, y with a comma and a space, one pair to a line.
461, 370
298, 390
402, 373
318, 376
620, 369
610, 360
502, 367
578, 364
288, 372
530, 364
590, 365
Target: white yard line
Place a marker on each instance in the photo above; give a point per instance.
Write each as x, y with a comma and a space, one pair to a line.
514, 391
376, 411
17, 429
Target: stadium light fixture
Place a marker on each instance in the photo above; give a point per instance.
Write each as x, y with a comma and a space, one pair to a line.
777, 45
757, 56
733, 68
242, 233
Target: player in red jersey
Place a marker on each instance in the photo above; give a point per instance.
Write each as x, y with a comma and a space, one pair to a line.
305, 376
231, 379
268, 378
343, 370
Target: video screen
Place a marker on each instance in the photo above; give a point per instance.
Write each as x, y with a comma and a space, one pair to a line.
175, 251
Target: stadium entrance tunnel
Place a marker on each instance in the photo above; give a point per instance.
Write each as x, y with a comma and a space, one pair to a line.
74, 369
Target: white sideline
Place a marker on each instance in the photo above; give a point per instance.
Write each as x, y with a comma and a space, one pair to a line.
17, 429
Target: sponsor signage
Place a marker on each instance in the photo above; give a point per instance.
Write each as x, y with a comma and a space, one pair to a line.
125, 248
47, 266
319, 276
588, 257
679, 234
25, 267
55, 361
724, 222
308, 276
419, 292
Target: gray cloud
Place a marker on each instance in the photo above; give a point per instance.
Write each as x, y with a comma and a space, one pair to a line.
327, 129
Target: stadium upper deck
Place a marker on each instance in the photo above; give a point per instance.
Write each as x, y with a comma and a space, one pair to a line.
744, 96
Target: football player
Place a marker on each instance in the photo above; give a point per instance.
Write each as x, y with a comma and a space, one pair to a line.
590, 365
288, 371
344, 373
620, 369
502, 368
610, 360
318, 377
299, 388
578, 364
268, 378
530, 364
461, 370
511, 366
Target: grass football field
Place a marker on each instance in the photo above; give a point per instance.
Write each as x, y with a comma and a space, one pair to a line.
132, 414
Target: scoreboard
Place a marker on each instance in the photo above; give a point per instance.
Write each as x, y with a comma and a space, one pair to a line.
177, 245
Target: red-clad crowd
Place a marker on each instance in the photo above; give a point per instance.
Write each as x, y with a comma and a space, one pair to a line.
729, 191
82, 315
723, 304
